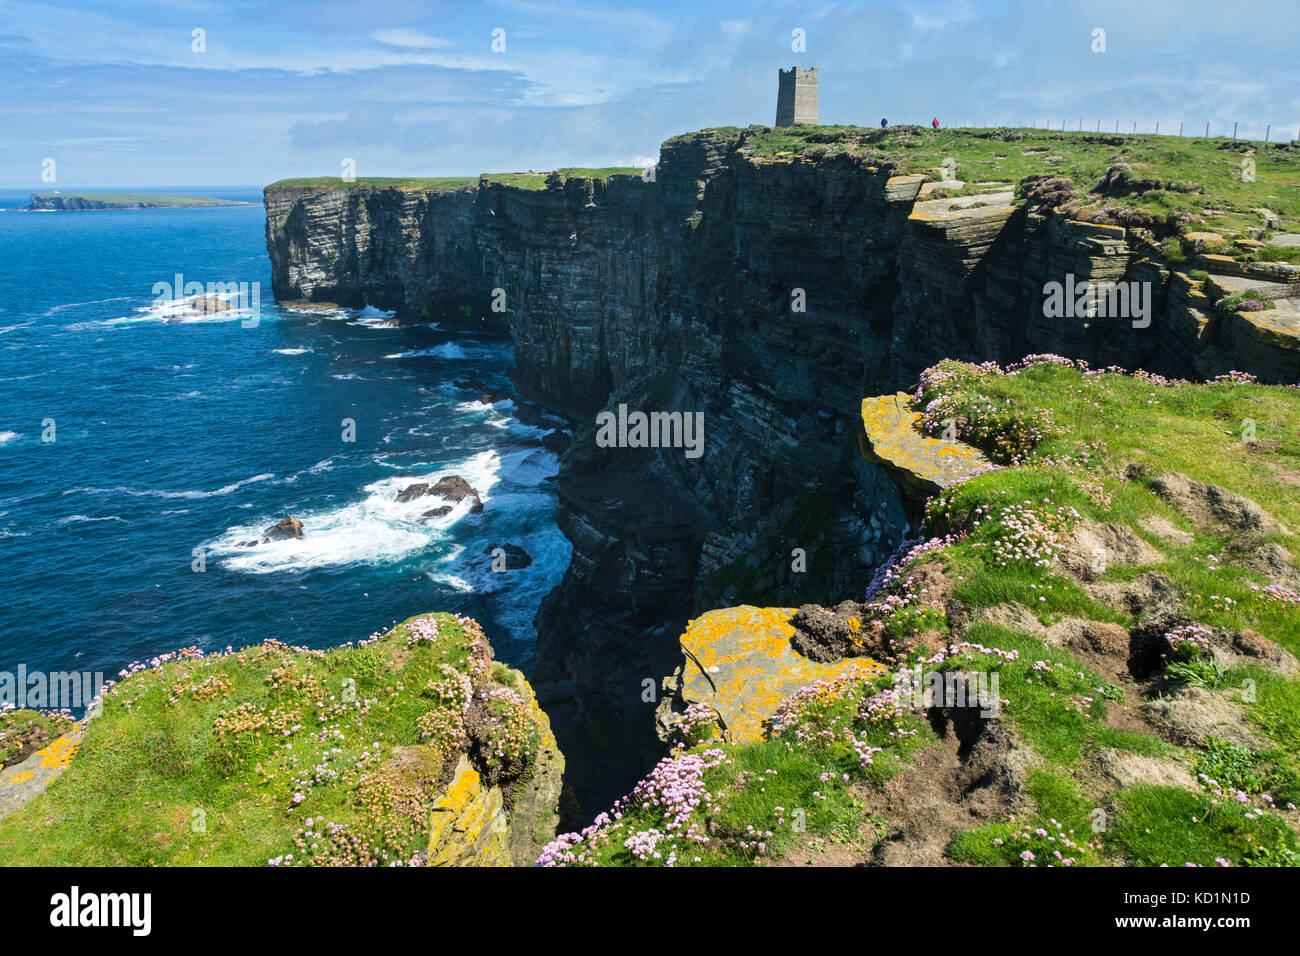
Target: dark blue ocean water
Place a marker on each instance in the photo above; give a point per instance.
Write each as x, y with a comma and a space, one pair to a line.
175, 432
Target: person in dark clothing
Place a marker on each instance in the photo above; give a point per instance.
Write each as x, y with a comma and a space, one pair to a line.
883, 122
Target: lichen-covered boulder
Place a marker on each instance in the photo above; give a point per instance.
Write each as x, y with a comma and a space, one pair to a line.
925, 465
740, 662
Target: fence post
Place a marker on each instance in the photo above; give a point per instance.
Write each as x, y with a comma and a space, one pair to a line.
1157, 127
1180, 129
1234, 130
1207, 130
1267, 130
1135, 127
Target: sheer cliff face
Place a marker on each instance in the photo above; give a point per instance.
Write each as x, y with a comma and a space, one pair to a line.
409, 251
770, 296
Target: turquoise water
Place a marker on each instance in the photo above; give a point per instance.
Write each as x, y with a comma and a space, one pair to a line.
175, 431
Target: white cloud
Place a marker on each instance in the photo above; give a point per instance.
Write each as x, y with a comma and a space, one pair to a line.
411, 39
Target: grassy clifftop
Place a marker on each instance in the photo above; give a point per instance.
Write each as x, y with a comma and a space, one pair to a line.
289, 756
1125, 570
1190, 184
528, 180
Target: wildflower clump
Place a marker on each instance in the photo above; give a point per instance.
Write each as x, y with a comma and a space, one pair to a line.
23, 732
504, 735
955, 406
1045, 845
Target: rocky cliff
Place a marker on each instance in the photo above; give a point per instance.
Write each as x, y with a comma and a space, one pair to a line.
769, 294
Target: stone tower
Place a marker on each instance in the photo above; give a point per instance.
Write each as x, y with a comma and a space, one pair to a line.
796, 97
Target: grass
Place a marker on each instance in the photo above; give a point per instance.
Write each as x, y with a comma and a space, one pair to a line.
1170, 826
1219, 199
766, 796
1063, 818
1058, 705
222, 760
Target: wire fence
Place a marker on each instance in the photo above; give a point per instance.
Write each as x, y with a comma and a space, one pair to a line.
1261, 132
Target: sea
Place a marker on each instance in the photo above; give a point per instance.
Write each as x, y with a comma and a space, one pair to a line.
144, 442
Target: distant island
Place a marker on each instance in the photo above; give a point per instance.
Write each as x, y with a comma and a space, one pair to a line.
84, 201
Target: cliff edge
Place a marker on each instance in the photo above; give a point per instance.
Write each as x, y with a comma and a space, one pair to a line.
409, 748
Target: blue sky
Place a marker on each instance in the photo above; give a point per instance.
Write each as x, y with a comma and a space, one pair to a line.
117, 96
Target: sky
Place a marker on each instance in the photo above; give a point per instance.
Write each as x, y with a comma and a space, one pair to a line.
129, 94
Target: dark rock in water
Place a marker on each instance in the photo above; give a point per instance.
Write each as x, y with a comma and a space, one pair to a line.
491, 397
437, 512
471, 384
285, 529
556, 441
411, 492
528, 414
455, 488
515, 556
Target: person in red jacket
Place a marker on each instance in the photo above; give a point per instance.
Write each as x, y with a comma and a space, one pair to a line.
935, 122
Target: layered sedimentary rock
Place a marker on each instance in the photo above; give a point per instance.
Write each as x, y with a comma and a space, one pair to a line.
768, 295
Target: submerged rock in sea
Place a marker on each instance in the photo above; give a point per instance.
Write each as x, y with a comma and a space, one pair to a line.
515, 556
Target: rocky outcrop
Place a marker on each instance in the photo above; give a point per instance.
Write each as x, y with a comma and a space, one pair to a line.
453, 488
920, 464
475, 824
286, 529
768, 296
739, 661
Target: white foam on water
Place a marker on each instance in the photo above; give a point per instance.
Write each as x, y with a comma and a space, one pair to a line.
149, 493
76, 519
73, 305
291, 351
371, 317
7, 437
529, 467
374, 530
448, 350
184, 311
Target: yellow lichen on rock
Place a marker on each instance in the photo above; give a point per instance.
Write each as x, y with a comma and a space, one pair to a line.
739, 661
468, 825
894, 440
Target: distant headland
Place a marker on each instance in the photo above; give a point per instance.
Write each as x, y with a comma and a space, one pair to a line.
80, 202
